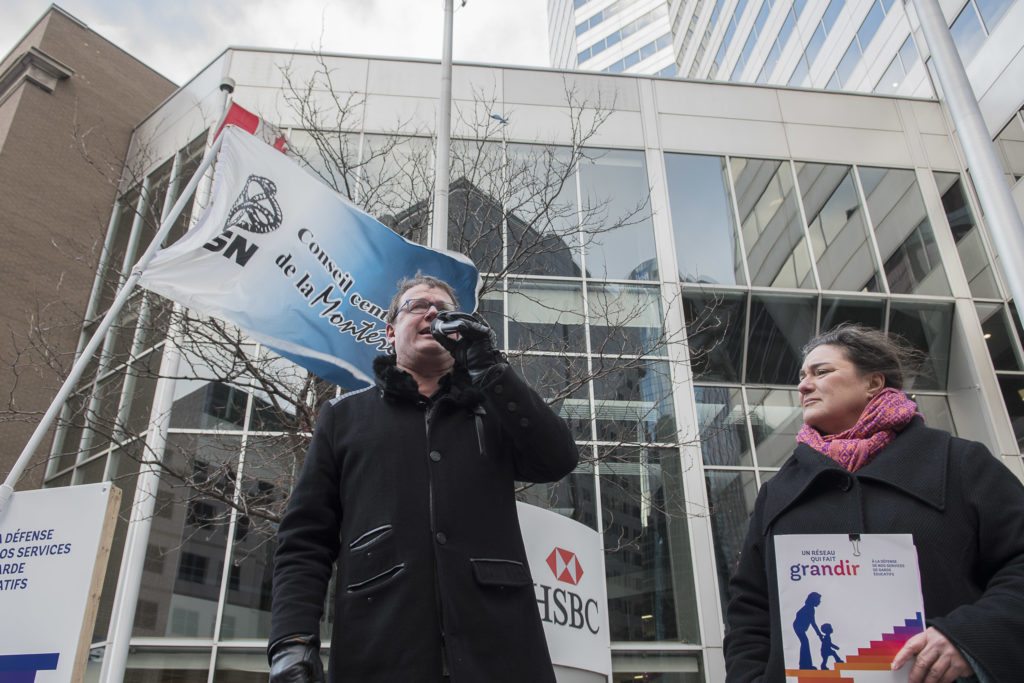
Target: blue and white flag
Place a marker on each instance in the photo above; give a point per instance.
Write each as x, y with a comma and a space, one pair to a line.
295, 265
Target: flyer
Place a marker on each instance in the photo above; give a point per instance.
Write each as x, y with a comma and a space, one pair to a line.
848, 603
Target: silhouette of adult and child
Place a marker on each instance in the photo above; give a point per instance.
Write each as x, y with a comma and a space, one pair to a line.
802, 622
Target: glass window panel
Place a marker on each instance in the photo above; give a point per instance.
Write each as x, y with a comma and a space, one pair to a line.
715, 323
573, 496
864, 311
656, 667
210, 398
633, 401
908, 53
722, 420
779, 328
903, 232
1015, 316
967, 33
799, 73
772, 233
992, 11
731, 496
111, 276
145, 372
935, 410
92, 471
193, 156
271, 464
189, 531
167, 666
545, 316
73, 422
1010, 143
103, 414
839, 236
893, 77
707, 250
625, 319
476, 197
832, 13
332, 156
870, 25
848, 63
1012, 387
998, 338
648, 564
815, 43
542, 212
562, 382
775, 418
927, 327
396, 182
617, 226
969, 244
833, 83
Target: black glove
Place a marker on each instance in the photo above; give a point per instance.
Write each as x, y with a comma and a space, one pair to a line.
296, 659
474, 349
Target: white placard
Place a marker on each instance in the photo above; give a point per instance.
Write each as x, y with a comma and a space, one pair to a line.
54, 545
567, 562
848, 603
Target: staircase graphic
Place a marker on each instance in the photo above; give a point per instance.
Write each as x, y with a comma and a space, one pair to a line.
877, 656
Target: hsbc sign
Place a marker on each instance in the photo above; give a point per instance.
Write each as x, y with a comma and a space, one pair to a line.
567, 563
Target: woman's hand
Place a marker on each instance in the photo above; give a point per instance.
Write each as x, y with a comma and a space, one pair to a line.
938, 660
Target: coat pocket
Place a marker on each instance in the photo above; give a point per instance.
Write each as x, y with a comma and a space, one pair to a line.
372, 559
504, 573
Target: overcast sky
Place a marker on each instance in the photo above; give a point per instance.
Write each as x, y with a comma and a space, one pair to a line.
179, 37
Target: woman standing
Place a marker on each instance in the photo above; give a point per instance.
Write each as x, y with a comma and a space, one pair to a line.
866, 463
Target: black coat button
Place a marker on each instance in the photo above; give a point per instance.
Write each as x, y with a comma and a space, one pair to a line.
441, 538
435, 456
524, 422
498, 388
512, 406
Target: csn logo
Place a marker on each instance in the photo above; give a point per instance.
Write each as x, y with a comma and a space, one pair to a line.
257, 211
564, 607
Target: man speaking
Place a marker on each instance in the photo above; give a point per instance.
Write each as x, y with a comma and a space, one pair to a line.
408, 486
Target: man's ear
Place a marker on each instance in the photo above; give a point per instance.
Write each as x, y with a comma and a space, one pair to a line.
389, 333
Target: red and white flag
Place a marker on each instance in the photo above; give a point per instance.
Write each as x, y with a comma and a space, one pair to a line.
238, 115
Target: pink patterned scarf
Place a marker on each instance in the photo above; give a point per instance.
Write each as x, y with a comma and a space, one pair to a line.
884, 416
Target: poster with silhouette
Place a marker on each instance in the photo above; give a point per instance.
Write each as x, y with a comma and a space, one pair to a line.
848, 604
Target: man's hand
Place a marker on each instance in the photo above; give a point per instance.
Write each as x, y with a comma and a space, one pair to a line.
938, 660
473, 349
296, 659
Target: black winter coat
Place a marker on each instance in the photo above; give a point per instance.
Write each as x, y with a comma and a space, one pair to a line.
965, 510
413, 499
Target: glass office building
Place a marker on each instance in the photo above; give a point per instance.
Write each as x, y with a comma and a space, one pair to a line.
698, 237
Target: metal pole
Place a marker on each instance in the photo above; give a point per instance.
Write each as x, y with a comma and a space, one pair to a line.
129, 580
439, 235
1001, 215
7, 489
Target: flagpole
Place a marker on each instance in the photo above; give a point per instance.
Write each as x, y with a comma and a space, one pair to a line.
439, 235
129, 581
78, 369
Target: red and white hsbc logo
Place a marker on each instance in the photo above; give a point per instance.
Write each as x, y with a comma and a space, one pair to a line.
565, 566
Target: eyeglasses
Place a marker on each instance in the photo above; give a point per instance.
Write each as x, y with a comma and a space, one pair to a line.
421, 306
